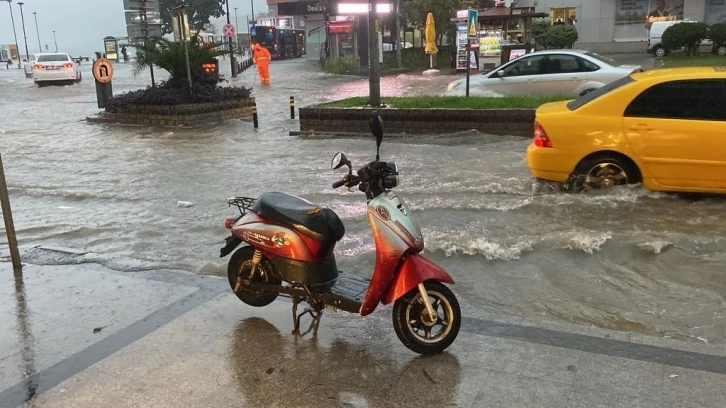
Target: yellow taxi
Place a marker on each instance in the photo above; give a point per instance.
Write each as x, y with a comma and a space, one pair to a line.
665, 128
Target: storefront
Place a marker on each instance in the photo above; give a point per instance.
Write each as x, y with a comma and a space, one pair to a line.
313, 14
622, 25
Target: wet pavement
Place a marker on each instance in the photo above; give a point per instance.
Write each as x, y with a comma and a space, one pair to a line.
104, 341
628, 265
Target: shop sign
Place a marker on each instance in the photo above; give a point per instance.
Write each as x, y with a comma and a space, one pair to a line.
301, 8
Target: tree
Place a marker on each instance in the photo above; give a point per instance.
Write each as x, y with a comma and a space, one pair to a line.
687, 35
199, 11
210, 28
171, 56
717, 34
417, 10
549, 36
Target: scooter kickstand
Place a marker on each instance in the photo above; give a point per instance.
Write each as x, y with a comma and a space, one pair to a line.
315, 314
315, 323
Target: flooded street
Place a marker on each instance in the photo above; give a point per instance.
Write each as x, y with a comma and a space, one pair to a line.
627, 259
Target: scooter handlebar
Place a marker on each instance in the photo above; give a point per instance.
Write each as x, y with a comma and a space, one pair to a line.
348, 181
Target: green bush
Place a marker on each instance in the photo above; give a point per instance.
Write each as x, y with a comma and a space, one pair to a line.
417, 59
717, 34
340, 65
549, 36
686, 35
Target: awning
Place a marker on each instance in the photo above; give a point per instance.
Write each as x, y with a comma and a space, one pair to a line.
340, 27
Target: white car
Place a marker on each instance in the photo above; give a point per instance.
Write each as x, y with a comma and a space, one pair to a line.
55, 67
551, 72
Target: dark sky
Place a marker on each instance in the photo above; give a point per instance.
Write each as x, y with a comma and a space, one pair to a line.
80, 25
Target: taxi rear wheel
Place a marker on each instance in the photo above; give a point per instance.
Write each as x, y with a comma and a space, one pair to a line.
604, 171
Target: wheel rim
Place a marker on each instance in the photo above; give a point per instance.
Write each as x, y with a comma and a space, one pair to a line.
606, 175
721, 50
419, 323
660, 52
260, 275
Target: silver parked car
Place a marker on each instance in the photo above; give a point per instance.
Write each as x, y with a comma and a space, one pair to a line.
551, 72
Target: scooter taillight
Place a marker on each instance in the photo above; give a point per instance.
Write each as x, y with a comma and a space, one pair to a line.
228, 222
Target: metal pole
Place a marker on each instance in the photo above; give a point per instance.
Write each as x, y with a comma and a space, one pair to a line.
146, 40
25, 36
374, 75
468, 51
236, 29
12, 19
252, 4
231, 51
399, 64
55, 41
40, 47
8, 217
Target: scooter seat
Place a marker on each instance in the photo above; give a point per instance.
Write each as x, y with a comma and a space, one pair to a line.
320, 224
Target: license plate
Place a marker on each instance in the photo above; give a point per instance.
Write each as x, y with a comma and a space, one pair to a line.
51, 67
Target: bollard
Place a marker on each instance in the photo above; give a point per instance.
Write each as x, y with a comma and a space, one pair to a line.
254, 115
8, 216
292, 107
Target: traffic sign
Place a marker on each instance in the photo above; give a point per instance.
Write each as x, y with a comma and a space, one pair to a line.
102, 70
137, 17
141, 4
139, 31
472, 32
228, 30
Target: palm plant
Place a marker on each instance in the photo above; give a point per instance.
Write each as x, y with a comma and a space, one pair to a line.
171, 56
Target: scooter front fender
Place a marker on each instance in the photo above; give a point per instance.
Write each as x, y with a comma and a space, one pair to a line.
415, 269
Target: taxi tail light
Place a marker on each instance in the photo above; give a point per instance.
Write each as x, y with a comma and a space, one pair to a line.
540, 136
68, 65
37, 66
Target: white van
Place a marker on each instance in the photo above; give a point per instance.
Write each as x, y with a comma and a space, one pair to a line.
655, 38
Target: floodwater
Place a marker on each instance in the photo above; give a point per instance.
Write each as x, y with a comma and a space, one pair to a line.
138, 198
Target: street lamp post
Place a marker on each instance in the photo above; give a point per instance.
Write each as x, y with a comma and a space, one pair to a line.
252, 4
231, 51
374, 75
12, 19
236, 28
55, 41
37, 31
25, 35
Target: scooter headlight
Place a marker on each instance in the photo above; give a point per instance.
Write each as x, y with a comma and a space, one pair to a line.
390, 181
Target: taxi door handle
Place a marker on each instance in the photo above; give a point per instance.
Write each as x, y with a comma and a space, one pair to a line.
641, 126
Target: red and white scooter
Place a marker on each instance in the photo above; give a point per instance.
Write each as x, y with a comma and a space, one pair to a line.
290, 246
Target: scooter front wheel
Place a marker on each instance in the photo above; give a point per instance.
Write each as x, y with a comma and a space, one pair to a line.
415, 327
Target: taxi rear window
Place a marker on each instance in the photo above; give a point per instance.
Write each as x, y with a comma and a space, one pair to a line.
591, 96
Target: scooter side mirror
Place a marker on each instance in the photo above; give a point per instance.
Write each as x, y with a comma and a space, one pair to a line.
339, 160
376, 125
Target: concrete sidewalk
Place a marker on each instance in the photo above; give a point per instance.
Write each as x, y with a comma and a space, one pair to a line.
86, 336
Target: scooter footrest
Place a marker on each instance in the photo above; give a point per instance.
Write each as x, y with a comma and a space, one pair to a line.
351, 286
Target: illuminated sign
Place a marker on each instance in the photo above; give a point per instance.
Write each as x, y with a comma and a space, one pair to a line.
362, 8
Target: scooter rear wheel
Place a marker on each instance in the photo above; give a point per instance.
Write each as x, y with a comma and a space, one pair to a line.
413, 325
241, 263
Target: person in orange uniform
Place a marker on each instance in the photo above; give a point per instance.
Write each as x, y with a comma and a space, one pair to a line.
261, 57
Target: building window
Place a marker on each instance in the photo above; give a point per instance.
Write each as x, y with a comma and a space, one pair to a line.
566, 15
